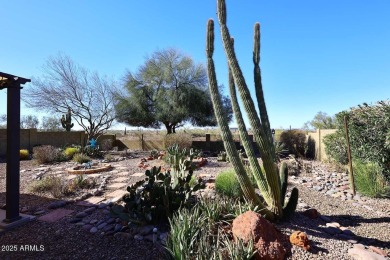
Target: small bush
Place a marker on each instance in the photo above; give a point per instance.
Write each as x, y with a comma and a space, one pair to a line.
226, 183
54, 185
336, 147
183, 140
46, 154
294, 141
80, 182
81, 158
24, 154
369, 179
71, 151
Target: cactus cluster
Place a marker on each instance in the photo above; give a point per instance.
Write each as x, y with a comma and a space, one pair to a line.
156, 198
66, 121
272, 184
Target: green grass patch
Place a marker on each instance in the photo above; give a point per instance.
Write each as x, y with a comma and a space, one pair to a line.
226, 183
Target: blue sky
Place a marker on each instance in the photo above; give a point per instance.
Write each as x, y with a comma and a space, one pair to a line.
315, 55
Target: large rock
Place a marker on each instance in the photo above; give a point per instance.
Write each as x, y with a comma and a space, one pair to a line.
266, 239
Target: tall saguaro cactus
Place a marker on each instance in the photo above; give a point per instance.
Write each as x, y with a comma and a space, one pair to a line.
66, 121
269, 181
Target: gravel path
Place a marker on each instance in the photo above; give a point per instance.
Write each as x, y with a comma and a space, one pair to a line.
367, 222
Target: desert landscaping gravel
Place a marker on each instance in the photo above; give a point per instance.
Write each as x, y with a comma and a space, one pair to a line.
342, 221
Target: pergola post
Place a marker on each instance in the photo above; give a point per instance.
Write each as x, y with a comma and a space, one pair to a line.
13, 157
13, 85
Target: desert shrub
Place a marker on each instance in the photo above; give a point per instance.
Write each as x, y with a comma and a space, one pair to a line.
310, 148
81, 158
226, 183
294, 141
47, 154
54, 185
369, 134
183, 140
336, 147
80, 182
24, 154
71, 151
369, 179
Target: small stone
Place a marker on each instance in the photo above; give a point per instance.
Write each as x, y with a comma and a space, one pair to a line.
24, 210
80, 223
145, 230
39, 212
138, 237
110, 220
81, 215
108, 228
122, 235
74, 220
303, 205
117, 227
89, 210
57, 204
333, 224
87, 227
93, 221
93, 230
102, 225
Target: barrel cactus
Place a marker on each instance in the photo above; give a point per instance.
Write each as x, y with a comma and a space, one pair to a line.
271, 183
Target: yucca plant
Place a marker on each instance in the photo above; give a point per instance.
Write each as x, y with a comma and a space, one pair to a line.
268, 181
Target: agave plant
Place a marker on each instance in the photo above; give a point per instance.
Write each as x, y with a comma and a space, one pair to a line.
271, 183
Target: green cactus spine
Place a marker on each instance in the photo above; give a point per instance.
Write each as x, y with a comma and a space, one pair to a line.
66, 121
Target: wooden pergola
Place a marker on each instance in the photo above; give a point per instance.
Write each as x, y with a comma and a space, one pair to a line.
13, 85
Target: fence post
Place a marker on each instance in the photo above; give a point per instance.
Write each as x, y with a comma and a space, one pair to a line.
351, 179
208, 138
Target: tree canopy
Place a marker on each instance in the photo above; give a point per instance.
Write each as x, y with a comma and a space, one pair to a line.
321, 121
168, 89
66, 85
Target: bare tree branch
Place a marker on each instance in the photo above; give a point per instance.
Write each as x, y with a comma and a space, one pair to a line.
68, 85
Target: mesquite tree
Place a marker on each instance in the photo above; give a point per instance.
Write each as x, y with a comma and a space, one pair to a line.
169, 90
272, 182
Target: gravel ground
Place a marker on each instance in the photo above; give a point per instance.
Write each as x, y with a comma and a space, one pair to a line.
370, 225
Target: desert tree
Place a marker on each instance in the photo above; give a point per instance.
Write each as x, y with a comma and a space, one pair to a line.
29, 121
321, 121
51, 123
169, 89
66, 85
